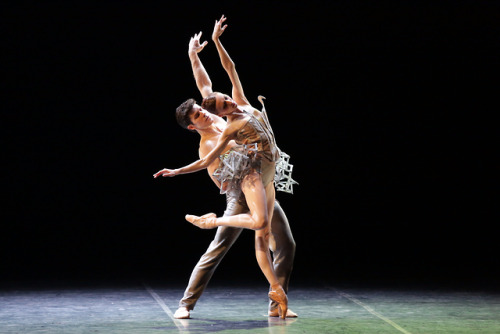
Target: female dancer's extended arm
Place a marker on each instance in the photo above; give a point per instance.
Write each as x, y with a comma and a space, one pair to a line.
203, 162
228, 64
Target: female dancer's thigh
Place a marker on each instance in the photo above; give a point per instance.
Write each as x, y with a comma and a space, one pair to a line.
255, 195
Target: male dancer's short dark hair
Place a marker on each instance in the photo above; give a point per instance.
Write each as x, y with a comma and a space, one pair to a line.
183, 113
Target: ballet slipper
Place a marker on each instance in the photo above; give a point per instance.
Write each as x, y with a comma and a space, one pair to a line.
182, 313
207, 221
275, 313
279, 296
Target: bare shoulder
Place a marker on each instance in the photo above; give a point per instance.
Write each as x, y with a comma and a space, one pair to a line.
206, 146
251, 110
236, 124
231, 128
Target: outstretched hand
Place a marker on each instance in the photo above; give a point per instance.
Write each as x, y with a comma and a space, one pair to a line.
194, 43
165, 172
218, 28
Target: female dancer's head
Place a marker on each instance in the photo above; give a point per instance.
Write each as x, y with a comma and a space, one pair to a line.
219, 104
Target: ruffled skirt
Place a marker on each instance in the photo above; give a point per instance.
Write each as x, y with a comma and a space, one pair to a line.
241, 160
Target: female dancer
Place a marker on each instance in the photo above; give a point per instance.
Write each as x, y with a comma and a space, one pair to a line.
250, 170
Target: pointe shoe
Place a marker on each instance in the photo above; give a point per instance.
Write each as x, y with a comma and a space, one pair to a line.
275, 313
279, 296
182, 313
207, 221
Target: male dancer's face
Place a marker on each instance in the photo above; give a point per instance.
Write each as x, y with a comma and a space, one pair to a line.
200, 118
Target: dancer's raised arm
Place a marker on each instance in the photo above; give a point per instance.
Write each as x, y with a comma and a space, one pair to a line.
201, 77
228, 64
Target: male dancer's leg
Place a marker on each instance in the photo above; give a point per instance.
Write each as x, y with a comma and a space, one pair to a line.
283, 249
204, 269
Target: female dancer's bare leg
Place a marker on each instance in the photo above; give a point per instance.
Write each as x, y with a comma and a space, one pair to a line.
258, 218
260, 201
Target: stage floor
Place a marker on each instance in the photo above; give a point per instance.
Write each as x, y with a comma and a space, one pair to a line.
148, 308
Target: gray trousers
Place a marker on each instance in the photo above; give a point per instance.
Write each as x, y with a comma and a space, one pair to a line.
283, 252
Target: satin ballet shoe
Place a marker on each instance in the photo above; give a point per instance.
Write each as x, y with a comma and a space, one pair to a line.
275, 313
207, 221
279, 296
182, 313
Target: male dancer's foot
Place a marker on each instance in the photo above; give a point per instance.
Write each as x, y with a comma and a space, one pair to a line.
207, 221
182, 313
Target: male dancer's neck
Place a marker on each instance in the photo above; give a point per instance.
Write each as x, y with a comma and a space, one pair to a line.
212, 130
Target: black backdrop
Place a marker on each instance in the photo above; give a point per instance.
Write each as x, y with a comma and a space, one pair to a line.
383, 108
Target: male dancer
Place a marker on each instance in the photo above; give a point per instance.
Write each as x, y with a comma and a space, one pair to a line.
191, 116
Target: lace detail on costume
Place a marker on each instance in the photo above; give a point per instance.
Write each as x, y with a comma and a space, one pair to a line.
283, 178
234, 166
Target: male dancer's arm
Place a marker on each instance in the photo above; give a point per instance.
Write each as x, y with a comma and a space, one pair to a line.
201, 77
205, 86
228, 64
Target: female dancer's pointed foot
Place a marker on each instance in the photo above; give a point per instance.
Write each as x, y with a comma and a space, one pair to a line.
206, 221
275, 313
279, 296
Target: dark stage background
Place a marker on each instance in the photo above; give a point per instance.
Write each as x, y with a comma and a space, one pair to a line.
383, 106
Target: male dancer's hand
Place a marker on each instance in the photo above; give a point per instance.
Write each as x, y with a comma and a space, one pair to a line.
166, 172
194, 43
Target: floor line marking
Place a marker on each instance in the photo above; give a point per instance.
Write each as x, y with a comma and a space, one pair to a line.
164, 307
372, 311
